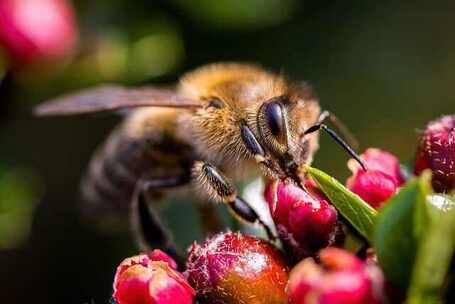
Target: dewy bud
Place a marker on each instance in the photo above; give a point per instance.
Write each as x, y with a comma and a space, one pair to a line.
437, 152
305, 221
33, 30
380, 181
151, 279
234, 268
340, 278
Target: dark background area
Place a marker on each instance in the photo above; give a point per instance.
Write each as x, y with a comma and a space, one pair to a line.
385, 68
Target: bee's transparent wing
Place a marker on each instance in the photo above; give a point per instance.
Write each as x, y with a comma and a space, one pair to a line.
111, 98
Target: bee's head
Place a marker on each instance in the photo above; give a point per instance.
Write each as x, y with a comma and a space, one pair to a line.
287, 126
281, 122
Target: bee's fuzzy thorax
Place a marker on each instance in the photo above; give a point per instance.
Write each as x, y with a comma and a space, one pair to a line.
242, 89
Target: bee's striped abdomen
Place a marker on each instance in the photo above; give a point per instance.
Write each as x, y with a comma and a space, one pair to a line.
139, 148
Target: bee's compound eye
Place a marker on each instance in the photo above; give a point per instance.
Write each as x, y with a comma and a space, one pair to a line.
272, 125
215, 103
274, 116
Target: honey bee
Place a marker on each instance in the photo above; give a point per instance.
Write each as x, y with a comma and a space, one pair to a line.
222, 123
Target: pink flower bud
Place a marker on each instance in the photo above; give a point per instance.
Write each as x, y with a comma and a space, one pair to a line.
234, 268
437, 152
379, 160
305, 221
32, 30
374, 187
340, 278
151, 279
380, 181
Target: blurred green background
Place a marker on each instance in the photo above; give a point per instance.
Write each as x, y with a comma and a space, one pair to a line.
384, 67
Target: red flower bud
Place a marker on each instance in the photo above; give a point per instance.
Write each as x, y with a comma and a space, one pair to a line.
305, 221
380, 181
341, 278
234, 268
374, 187
32, 30
151, 279
379, 160
437, 152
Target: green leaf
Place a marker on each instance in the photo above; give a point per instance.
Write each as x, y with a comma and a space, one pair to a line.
434, 255
361, 215
399, 226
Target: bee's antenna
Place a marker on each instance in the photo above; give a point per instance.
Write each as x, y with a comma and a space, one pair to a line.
339, 140
342, 129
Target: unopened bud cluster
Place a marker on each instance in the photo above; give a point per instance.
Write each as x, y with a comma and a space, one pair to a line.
309, 267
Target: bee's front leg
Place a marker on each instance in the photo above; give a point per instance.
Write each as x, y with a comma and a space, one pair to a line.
209, 179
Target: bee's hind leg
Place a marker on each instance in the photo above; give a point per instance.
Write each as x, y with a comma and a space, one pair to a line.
148, 229
211, 180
